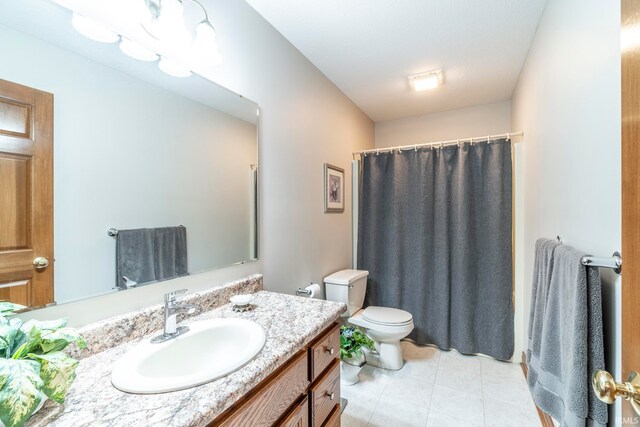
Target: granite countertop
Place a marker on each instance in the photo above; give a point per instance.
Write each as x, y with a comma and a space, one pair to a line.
290, 322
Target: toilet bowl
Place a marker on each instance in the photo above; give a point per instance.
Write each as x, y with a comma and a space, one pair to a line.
385, 326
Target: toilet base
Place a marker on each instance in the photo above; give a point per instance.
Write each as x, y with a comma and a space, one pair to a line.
388, 356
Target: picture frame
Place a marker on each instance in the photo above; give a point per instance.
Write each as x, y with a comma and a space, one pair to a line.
333, 189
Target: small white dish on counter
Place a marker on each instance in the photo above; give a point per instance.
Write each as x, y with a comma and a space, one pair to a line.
241, 300
209, 350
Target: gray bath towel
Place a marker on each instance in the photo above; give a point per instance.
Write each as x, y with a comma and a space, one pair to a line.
150, 254
571, 342
542, 268
135, 256
171, 252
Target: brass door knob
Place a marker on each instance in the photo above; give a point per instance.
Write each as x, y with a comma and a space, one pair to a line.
40, 263
330, 395
329, 350
607, 389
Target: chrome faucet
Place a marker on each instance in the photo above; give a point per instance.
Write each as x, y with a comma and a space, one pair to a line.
171, 310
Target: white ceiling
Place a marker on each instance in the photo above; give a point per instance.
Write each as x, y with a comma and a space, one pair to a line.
368, 47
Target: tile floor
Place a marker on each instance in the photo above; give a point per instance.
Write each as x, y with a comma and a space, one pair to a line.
439, 388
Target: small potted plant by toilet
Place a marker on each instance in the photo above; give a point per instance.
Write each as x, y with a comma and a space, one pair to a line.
352, 342
33, 367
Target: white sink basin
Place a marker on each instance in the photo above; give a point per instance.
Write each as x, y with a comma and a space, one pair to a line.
211, 349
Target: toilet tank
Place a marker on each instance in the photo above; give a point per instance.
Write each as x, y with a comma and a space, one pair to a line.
347, 286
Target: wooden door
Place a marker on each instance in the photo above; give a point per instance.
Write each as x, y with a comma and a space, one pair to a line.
26, 195
630, 196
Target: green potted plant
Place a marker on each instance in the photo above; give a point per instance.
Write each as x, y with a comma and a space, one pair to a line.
352, 341
33, 367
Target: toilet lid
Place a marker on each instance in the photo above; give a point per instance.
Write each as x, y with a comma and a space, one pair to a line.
386, 315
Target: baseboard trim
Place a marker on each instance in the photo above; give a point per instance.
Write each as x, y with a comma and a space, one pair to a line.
545, 419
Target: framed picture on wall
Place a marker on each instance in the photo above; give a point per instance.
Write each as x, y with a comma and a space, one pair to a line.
333, 188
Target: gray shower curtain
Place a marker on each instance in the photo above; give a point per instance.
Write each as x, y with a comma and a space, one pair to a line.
435, 235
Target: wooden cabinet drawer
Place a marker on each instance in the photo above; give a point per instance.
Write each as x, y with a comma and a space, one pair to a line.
325, 394
334, 418
323, 351
298, 416
264, 405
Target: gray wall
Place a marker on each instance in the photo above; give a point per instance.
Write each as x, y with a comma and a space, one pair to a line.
567, 102
488, 119
305, 121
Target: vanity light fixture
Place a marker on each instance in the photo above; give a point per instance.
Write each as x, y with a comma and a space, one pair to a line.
137, 51
167, 26
91, 29
427, 80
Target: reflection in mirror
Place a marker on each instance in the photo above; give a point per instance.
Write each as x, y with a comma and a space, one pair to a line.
169, 164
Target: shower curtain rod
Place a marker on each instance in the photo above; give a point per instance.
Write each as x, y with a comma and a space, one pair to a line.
508, 135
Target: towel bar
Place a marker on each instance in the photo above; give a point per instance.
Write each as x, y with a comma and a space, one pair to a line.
615, 262
113, 232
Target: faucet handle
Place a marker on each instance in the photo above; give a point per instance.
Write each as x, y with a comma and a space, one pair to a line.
171, 296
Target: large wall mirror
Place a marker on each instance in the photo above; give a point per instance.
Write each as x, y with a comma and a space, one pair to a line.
134, 149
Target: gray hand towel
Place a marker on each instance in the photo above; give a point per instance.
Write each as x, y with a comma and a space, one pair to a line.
135, 256
171, 252
571, 343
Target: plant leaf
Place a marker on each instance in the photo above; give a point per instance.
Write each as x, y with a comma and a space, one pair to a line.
59, 339
352, 340
11, 336
44, 325
33, 338
8, 308
20, 386
57, 371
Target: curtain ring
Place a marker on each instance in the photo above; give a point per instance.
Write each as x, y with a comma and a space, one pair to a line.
441, 145
458, 142
378, 152
415, 147
488, 139
508, 136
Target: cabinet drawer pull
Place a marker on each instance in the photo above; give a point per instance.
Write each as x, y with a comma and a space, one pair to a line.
330, 395
329, 350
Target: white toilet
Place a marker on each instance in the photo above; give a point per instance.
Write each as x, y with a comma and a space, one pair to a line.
386, 326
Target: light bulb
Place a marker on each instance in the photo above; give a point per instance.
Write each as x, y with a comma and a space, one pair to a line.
170, 27
93, 30
205, 47
205, 37
137, 51
173, 68
141, 10
172, 11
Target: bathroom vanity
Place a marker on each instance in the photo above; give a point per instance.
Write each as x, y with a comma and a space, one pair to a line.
304, 391
293, 381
